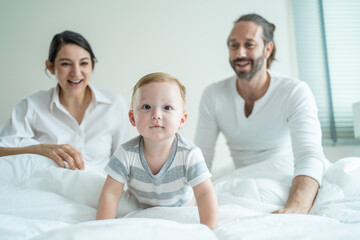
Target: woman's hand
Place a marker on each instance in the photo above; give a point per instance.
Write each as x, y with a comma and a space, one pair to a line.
61, 154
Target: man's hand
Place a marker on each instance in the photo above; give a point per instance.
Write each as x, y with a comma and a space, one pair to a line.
302, 195
291, 210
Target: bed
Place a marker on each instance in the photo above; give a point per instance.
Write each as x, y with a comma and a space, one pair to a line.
39, 200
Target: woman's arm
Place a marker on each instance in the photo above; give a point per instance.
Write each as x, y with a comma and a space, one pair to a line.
8, 151
58, 153
207, 204
19, 131
109, 199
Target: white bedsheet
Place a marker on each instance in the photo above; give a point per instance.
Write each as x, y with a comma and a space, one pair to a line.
39, 200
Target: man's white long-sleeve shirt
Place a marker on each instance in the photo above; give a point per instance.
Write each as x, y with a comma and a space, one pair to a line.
283, 125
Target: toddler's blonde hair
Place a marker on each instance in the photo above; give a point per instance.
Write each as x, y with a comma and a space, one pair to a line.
157, 77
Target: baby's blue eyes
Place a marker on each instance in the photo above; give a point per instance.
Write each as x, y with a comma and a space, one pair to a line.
147, 107
168, 108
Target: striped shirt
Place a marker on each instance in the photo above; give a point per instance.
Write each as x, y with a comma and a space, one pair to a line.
172, 186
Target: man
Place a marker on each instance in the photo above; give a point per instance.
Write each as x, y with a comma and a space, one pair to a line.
263, 114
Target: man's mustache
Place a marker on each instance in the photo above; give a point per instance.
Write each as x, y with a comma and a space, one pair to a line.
242, 59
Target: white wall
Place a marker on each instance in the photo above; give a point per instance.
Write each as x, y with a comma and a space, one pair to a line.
132, 38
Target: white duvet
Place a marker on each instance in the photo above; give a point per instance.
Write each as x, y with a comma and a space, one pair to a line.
39, 200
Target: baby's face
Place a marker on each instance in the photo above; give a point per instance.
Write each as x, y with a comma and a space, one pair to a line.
158, 111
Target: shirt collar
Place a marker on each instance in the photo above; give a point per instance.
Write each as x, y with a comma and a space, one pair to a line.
97, 97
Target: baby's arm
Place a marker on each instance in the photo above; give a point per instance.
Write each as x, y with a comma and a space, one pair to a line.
207, 204
109, 199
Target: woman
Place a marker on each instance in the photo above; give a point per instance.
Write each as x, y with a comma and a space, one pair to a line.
73, 122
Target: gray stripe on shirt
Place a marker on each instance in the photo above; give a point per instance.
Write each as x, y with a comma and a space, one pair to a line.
118, 167
179, 203
169, 176
196, 170
160, 196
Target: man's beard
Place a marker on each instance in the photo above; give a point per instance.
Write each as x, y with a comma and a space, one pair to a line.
244, 75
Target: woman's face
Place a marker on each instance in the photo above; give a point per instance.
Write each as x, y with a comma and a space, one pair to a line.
72, 68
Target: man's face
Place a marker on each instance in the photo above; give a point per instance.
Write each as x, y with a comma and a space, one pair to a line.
247, 51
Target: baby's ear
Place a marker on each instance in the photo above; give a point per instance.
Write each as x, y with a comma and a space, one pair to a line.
132, 118
183, 119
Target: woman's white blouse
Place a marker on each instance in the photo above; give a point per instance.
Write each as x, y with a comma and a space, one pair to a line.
41, 118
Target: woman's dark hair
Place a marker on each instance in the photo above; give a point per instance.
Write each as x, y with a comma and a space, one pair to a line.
268, 31
69, 37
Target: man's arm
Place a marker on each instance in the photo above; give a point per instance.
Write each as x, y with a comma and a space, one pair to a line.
309, 159
302, 195
207, 130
